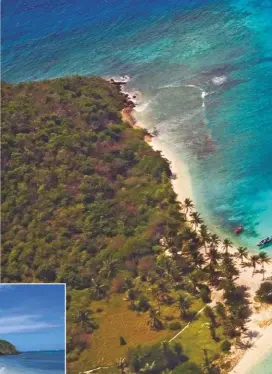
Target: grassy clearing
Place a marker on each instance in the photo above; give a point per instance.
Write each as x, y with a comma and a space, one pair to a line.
117, 320
114, 321
197, 337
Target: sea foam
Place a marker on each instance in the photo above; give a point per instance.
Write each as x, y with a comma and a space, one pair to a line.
219, 80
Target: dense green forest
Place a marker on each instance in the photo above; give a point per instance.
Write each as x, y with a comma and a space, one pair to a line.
86, 201
7, 348
78, 184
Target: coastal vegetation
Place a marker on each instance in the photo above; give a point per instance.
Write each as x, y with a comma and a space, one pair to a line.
88, 202
7, 348
264, 293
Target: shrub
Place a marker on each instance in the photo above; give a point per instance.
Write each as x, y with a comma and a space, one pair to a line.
143, 303
161, 356
145, 265
174, 325
225, 346
187, 368
46, 273
205, 295
73, 356
264, 293
122, 341
117, 284
169, 318
131, 294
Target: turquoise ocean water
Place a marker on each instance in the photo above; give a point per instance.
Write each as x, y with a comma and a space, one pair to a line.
204, 70
47, 362
263, 367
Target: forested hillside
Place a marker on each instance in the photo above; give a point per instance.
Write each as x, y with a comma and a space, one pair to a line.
78, 184
86, 201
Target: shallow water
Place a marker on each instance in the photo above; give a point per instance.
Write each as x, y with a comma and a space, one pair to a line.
204, 68
263, 367
46, 362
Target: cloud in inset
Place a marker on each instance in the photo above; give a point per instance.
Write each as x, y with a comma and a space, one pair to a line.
23, 323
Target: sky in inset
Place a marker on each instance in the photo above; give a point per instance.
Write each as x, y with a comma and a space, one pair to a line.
32, 317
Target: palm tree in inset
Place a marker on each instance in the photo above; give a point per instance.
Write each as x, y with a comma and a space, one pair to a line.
264, 259
196, 219
242, 253
227, 244
188, 205
254, 260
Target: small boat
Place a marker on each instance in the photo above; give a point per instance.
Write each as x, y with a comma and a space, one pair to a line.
239, 229
266, 240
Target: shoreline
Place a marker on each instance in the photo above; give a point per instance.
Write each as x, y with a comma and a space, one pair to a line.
255, 354
260, 322
181, 181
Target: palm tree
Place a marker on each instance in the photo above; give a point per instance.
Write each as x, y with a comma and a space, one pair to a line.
264, 259
183, 305
196, 219
242, 253
205, 236
213, 255
214, 240
98, 289
108, 268
228, 267
153, 320
198, 259
188, 205
167, 267
254, 260
227, 244
83, 319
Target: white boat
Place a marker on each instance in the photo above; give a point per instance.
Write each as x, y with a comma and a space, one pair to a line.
266, 240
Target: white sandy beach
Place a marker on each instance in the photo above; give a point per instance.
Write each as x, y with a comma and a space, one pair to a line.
182, 183
261, 347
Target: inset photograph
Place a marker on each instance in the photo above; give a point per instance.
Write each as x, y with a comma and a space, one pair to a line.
32, 328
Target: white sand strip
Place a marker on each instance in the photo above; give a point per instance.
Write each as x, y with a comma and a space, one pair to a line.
256, 353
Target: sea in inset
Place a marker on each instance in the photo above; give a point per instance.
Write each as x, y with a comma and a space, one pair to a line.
44, 362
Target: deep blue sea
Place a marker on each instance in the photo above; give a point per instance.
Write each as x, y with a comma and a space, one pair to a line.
203, 68
47, 362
